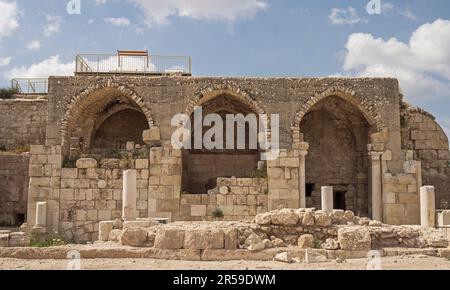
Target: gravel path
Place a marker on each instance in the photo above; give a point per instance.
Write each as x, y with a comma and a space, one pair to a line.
388, 263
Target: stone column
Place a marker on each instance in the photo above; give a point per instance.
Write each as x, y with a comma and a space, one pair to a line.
427, 207
41, 214
303, 149
377, 190
129, 195
327, 199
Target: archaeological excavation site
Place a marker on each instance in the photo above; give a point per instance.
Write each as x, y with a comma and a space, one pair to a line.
87, 162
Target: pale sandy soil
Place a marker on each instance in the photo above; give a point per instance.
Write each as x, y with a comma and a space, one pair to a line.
389, 263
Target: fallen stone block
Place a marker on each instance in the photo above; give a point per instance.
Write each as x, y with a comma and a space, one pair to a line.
104, 229
18, 240
136, 237
355, 238
4, 240
312, 257
169, 239
85, 163
284, 258
204, 239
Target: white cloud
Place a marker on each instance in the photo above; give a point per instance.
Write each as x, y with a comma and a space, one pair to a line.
121, 21
48, 67
409, 14
388, 9
53, 24
422, 65
100, 2
8, 18
157, 12
5, 61
345, 16
34, 45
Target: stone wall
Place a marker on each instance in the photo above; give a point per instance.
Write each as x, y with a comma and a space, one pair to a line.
283, 180
84, 201
421, 133
22, 122
13, 189
160, 98
401, 193
235, 198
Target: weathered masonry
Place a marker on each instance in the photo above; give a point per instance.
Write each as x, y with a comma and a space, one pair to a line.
354, 134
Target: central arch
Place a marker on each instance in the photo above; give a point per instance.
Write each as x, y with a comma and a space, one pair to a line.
201, 168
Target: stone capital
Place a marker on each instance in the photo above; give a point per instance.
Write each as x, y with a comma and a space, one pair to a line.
303, 153
375, 155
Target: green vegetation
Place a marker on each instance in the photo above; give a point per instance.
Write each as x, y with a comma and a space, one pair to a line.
256, 174
218, 213
8, 93
46, 240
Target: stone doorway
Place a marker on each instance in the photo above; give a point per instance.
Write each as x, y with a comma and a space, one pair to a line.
338, 134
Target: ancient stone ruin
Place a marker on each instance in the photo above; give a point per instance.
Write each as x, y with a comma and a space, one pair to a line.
101, 151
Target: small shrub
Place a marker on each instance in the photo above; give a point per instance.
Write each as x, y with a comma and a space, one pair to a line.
218, 213
8, 93
256, 174
126, 160
317, 244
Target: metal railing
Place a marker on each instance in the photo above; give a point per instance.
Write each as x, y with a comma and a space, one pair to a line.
30, 85
115, 64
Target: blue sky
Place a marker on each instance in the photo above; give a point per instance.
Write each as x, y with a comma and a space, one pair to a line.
243, 38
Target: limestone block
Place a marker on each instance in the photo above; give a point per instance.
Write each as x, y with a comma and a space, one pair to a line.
19, 239
37, 149
134, 237
198, 210
284, 257
443, 218
330, 244
223, 190
308, 219
4, 240
322, 219
139, 224
264, 219
69, 173
285, 217
305, 241
36, 170
114, 235
104, 229
141, 164
169, 239
130, 146
231, 239
85, 163
204, 239
104, 214
151, 135
257, 247
355, 238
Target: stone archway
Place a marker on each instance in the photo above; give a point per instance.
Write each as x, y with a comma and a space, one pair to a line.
201, 168
365, 106
93, 100
349, 121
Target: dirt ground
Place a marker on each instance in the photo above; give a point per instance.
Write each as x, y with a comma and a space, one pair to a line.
388, 263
